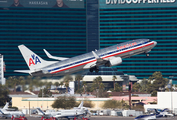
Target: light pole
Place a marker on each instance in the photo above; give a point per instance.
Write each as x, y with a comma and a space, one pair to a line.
97, 90
42, 99
171, 95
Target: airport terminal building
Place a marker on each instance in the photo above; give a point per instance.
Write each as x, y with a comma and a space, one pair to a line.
80, 26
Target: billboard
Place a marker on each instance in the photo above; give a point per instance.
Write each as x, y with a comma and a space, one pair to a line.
136, 3
43, 3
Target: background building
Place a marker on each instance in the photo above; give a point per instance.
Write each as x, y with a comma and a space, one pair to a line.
169, 98
88, 25
2, 70
107, 74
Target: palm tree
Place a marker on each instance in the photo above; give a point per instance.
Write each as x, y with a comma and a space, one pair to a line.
78, 77
9, 82
113, 78
40, 84
49, 84
84, 85
29, 79
66, 81
56, 84
22, 82
102, 86
96, 83
61, 84
101, 89
15, 82
31, 87
35, 83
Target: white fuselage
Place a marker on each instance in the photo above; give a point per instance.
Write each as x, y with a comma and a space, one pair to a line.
80, 62
8, 114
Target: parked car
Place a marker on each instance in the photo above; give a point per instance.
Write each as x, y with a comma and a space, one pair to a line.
101, 113
50, 118
18, 118
81, 118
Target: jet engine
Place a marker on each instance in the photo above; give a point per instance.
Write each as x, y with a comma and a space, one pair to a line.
113, 61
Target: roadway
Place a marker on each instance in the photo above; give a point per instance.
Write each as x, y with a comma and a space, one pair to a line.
99, 118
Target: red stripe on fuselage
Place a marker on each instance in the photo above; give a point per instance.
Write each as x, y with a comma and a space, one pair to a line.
128, 50
103, 57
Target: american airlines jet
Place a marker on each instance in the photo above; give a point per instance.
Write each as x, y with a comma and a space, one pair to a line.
109, 56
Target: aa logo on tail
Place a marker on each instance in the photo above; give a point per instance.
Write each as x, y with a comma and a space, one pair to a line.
34, 60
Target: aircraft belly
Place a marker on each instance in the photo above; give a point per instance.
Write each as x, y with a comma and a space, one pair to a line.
69, 71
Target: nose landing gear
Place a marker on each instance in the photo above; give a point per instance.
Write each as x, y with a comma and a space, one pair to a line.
147, 54
96, 69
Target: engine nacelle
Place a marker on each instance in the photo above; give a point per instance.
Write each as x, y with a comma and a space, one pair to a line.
115, 61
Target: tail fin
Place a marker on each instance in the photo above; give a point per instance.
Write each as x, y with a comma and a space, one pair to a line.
6, 106
81, 105
156, 111
34, 62
40, 111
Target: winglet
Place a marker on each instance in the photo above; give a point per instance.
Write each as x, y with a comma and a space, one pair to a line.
53, 57
47, 53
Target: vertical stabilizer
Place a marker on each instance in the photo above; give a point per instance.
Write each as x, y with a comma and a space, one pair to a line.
34, 62
81, 105
40, 111
6, 106
156, 111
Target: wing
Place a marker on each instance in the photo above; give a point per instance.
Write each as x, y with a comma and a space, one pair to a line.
110, 61
99, 61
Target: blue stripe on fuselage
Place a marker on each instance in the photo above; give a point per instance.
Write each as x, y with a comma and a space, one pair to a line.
92, 58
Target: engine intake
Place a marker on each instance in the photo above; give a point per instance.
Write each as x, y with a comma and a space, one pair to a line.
113, 61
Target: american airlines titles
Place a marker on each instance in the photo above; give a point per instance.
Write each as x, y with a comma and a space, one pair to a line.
114, 2
127, 45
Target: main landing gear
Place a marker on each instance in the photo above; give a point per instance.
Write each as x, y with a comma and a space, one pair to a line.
96, 69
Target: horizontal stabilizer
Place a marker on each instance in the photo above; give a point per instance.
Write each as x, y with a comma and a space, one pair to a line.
1, 112
54, 57
23, 71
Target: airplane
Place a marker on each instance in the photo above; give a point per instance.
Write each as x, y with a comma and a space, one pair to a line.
4, 108
9, 114
47, 114
164, 112
110, 56
156, 115
70, 114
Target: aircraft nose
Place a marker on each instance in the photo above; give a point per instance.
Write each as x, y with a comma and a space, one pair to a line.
155, 43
